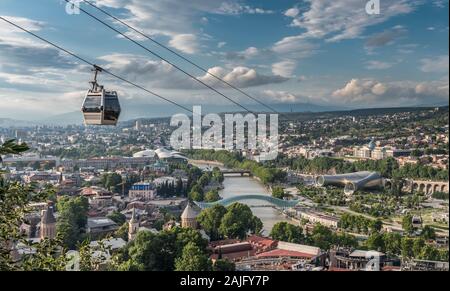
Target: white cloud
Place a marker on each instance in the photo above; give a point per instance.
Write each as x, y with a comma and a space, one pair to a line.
280, 97
221, 44
239, 56
378, 65
295, 47
292, 12
241, 77
440, 3
386, 37
186, 43
370, 92
159, 74
235, 8
284, 68
346, 19
435, 65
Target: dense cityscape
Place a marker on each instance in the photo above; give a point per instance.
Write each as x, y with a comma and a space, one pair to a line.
346, 187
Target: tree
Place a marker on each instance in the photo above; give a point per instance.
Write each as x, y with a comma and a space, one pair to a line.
392, 243
196, 196
322, 237
184, 236
179, 190
223, 265
218, 175
15, 199
407, 224
193, 259
111, 181
210, 220
417, 247
122, 232
428, 233
72, 219
197, 188
284, 231
416, 153
239, 221
157, 252
149, 252
376, 225
11, 147
278, 192
375, 242
407, 247
117, 217
212, 196
429, 253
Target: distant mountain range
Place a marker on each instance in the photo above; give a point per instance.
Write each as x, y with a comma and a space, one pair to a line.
156, 111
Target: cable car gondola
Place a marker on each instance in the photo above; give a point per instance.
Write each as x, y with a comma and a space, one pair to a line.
100, 107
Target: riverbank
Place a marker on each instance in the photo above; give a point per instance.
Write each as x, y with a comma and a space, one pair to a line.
205, 162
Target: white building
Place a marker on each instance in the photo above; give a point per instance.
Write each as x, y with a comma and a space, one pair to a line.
143, 191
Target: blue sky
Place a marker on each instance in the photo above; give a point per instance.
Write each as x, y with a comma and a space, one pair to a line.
316, 51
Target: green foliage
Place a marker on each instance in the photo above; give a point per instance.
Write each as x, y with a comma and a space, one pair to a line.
323, 237
389, 168
210, 220
196, 196
48, 256
278, 192
236, 221
111, 181
239, 221
359, 224
11, 147
193, 259
15, 199
266, 173
217, 175
72, 219
117, 217
428, 233
284, 231
212, 196
407, 224
440, 195
223, 265
407, 247
158, 252
122, 232
375, 242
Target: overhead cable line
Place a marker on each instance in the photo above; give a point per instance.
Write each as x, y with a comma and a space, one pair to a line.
180, 56
160, 57
92, 64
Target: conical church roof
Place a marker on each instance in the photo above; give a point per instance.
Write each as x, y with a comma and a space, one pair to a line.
47, 216
189, 212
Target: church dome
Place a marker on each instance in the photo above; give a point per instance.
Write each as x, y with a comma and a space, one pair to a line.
189, 213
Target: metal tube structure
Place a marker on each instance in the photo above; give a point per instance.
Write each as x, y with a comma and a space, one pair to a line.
352, 182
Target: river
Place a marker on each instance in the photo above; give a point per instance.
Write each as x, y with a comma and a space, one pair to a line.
237, 185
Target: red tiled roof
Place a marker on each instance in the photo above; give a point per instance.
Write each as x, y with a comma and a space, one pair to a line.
223, 242
334, 269
235, 255
391, 268
284, 253
254, 239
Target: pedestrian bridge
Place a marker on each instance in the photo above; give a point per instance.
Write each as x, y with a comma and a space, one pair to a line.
228, 201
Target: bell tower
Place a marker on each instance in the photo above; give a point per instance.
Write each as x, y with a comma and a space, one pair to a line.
133, 226
48, 223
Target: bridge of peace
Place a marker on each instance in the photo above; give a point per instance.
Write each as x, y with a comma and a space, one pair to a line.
271, 200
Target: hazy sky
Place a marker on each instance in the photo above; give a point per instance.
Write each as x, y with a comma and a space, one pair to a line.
317, 51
